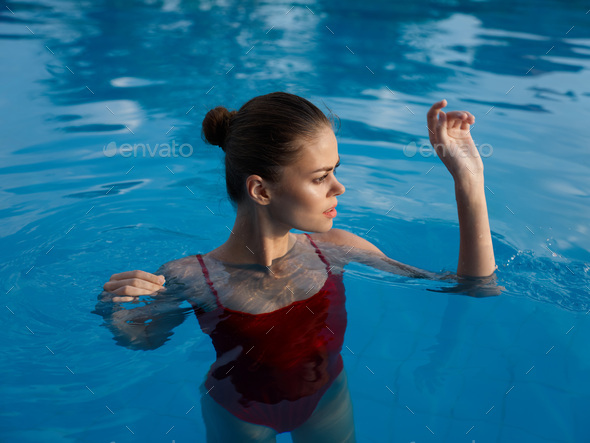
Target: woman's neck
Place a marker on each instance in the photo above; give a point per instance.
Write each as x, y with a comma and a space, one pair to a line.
254, 240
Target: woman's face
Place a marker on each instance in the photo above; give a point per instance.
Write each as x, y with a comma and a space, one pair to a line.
308, 188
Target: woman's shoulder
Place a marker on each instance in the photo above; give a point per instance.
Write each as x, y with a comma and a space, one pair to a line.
182, 268
344, 239
185, 276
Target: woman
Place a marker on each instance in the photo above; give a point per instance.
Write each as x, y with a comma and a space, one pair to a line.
272, 300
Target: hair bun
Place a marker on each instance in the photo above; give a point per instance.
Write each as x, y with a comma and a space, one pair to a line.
216, 126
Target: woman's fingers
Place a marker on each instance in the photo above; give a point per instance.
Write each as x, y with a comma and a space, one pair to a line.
468, 120
124, 299
441, 133
463, 115
433, 112
152, 278
134, 283
432, 119
133, 291
459, 120
137, 283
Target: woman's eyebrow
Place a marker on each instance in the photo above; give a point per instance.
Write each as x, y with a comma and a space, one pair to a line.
327, 168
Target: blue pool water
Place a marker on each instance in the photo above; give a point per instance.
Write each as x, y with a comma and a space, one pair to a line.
80, 80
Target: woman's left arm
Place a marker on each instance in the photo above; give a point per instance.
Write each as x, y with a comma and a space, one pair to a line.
450, 135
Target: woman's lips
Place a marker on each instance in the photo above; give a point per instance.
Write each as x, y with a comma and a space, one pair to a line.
331, 213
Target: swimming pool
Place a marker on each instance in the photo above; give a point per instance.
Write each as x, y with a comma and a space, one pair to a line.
87, 87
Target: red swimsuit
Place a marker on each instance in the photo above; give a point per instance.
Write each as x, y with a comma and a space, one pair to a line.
273, 368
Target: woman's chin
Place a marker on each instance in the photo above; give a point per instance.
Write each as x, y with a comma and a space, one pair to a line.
326, 226
318, 226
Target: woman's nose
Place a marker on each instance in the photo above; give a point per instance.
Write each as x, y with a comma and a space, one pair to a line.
338, 187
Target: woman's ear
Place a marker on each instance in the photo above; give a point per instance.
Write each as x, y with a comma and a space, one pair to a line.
258, 189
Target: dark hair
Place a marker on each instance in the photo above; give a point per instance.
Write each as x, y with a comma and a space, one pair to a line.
261, 138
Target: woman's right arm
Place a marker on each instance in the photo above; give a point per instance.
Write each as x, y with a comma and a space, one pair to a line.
148, 325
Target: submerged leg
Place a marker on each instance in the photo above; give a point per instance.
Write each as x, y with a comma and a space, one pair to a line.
223, 427
332, 421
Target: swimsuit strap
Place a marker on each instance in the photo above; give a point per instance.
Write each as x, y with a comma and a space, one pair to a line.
209, 282
317, 250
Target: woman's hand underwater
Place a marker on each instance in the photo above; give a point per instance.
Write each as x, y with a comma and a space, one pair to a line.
451, 138
131, 284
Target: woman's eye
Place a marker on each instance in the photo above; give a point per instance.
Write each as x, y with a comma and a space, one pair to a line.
321, 179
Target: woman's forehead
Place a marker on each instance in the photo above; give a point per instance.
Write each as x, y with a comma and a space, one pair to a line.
323, 149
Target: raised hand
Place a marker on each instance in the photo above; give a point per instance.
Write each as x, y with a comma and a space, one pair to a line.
451, 138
